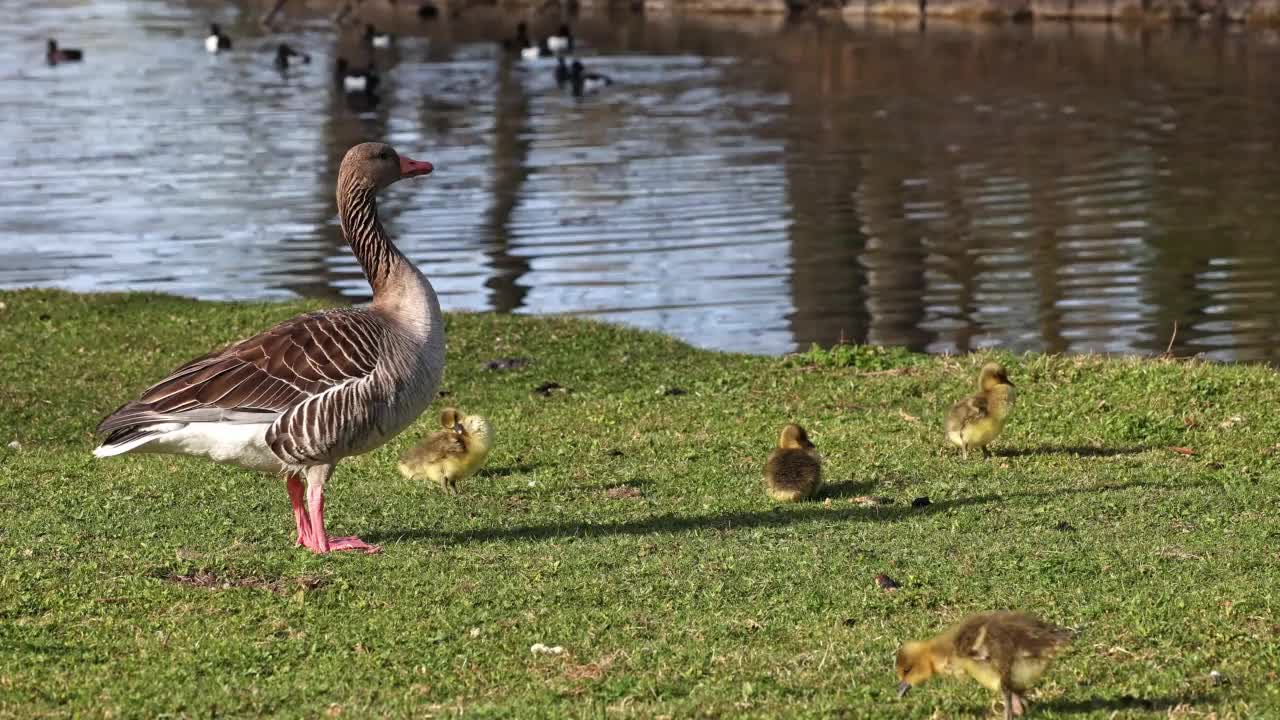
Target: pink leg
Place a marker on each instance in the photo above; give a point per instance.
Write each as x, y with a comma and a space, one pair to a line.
320, 540
296, 493
1017, 706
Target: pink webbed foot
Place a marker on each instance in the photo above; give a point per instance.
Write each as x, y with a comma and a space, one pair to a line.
353, 543
313, 534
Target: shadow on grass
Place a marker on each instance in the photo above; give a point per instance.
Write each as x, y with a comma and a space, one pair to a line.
1076, 450
775, 517
846, 489
1124, 702
506, 471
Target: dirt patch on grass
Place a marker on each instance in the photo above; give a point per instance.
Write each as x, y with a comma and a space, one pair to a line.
592, 671
623, 492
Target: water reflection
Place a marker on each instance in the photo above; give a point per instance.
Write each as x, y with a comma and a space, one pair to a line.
750, 185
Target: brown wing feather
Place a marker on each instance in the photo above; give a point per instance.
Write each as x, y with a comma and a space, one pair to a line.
1001, 637
967, 411
438, 446
793, 469
258, 379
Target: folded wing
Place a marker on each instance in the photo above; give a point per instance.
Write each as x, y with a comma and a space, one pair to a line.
260, 379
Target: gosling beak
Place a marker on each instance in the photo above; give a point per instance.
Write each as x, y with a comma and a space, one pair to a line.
903, 687
457, 427
413, 168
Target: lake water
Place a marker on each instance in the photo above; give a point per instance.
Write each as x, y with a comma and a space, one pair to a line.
749, 185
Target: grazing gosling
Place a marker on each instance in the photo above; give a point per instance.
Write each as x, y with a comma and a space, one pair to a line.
451, 454
977, 420
1004, 651
793, 471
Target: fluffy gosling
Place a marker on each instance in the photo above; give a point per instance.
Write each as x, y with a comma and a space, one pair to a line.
977, 420
1004, 651
793, 471
451, 454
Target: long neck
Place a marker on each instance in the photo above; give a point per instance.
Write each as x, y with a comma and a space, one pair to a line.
398, 287
358, 213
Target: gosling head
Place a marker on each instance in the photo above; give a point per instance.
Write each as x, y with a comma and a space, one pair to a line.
993, 374
451, 419
794, 437
914, 665
477, 428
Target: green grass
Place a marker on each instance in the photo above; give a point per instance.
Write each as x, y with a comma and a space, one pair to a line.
150, 585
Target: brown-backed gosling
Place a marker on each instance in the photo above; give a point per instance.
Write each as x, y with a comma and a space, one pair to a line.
793, 471
1004, 651
977, 420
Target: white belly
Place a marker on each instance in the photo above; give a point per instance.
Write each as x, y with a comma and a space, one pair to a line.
557, 43
382, 41
530, 53
211, 43
355, 83
244, 445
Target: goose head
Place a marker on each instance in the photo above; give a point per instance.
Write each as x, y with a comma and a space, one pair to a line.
377, 165
214, 30
52, 47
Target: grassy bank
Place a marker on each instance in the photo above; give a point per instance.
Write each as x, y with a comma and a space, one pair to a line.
139, 586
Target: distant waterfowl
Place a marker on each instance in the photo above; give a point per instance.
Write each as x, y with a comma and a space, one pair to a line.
284, 52
354, 81
793, 471
562, 42
428, 11
217, 41
376, 39
520, 40
1006, 652
977, 420
586, 82
452, 454
54, 55
536, 52
562, 71
298, 398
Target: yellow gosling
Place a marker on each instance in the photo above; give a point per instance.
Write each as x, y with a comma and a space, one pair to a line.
1005, 651
977, 420
452, 454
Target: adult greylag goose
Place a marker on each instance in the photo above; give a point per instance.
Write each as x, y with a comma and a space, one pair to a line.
315, 389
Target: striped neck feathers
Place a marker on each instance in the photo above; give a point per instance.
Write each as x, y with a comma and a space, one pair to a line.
358, 214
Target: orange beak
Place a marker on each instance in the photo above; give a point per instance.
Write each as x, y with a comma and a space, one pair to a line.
413, 168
